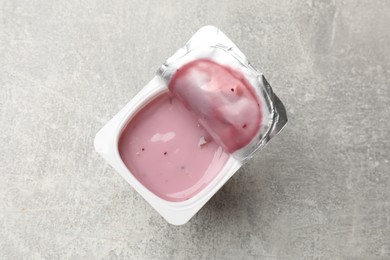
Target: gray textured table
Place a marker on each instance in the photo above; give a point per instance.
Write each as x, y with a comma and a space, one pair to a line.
320, 190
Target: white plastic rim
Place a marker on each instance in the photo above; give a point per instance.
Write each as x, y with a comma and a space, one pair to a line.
106, 144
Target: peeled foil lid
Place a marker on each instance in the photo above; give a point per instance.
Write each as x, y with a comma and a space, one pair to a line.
209, 43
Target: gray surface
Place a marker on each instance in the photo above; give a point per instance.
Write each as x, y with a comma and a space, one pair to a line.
320, 190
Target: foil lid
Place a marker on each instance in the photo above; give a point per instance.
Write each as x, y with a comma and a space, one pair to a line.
230, 98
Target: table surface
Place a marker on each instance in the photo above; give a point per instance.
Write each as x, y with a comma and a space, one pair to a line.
320, 189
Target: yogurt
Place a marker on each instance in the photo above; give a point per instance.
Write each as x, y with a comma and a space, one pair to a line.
168, 151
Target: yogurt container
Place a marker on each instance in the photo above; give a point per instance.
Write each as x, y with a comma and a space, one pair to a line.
203, 115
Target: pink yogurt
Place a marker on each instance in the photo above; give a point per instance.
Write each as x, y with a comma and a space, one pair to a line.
167, 150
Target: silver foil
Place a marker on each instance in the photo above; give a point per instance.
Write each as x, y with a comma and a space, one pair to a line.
212, 44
